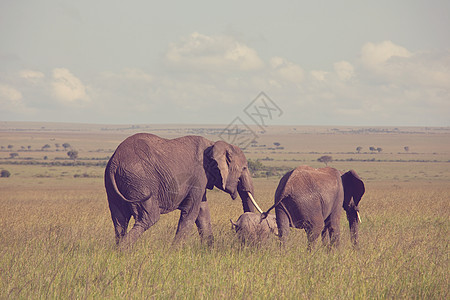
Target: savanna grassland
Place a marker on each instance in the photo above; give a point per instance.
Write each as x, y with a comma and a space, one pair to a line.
57, 238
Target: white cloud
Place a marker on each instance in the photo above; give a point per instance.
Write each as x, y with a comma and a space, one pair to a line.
319, 75
427, 70
214, 53
9, 94
375, 55
388, 84
344, 70
11, 101
66, 87
31, 75
390, 64
287, 70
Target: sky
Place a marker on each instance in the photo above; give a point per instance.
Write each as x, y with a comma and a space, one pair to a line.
349, 63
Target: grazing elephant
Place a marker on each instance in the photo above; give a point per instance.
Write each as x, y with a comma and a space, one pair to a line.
148, 176
312, 199
252, 229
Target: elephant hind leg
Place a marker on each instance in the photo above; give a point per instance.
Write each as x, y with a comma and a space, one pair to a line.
283, 222
313, 230
325, 239
335, 233
145, 214
333, 225
120, 215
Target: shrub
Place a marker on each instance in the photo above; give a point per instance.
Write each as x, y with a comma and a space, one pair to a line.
5, 173
255, 165
73, 154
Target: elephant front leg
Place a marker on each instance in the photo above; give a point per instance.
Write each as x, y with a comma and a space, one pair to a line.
189, 213
203, 223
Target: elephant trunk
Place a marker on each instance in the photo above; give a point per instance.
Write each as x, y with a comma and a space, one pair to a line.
248, 202
354, 219
246, 191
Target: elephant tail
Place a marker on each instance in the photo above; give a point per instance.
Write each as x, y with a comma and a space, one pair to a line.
265, 214
111, 178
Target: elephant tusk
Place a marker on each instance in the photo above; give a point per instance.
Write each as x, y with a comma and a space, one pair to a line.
254, 203
359, 217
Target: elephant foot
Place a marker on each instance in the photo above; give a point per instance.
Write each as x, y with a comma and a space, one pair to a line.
209, 241
124, 245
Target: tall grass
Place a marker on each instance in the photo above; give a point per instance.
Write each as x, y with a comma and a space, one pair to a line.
59, 244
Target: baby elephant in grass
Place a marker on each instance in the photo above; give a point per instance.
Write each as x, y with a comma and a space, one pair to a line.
252, 229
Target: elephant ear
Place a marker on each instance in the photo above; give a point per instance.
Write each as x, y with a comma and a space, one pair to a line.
219, 158
353, 187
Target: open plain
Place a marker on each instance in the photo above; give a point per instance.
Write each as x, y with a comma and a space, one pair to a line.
57, 238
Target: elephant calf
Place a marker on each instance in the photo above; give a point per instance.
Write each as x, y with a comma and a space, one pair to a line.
251, 229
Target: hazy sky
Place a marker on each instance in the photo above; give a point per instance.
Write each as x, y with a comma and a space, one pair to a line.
322, 62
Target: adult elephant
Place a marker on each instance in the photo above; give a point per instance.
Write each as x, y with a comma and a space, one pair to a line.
313, 199
148, 176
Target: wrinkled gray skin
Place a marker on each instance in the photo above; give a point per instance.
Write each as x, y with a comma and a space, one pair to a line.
313, 199
148, 176
251, 229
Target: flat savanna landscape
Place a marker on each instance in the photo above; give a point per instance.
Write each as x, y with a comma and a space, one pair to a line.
57, 237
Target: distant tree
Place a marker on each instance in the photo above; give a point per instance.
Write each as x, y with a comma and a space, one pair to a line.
5, 173
358, 149
66, 146
29, 147
10, 147
379, 149
325, 159
373, 149
73, 154
13, 155
57, 145
45, 157
46, 146
255, 165
406, 148
277, 144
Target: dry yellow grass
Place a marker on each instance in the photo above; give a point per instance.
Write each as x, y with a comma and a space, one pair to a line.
57, 240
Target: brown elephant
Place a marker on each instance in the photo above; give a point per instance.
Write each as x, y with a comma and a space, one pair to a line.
313, 199
251, 229
148, 176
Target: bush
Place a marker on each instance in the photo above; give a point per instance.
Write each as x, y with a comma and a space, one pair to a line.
255, 166
5, 173
73, 154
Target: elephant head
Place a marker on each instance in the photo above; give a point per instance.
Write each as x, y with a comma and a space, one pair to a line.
353, 191
251, 229
226, 168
